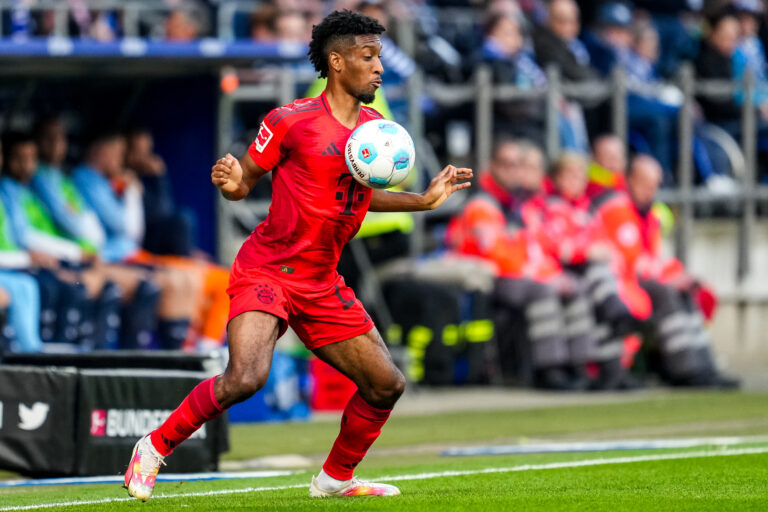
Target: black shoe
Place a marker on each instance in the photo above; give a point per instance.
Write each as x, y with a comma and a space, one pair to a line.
708, 380
554, 379
614, 377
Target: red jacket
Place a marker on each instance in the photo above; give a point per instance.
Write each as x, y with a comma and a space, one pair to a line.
491, 227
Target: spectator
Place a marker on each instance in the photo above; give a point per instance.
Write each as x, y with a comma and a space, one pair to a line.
263, 26
750, 54
557, 42
168, 230
611, 37
291, 27
398, 67
652, 106
187, 23
679, 25
503, 49
715, 61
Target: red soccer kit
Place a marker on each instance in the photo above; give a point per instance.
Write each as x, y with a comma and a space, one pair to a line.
287, 266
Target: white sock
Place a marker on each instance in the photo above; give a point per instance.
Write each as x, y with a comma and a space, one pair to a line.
328, 483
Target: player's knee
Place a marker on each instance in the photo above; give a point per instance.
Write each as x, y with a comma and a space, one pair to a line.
241, 386
386, 393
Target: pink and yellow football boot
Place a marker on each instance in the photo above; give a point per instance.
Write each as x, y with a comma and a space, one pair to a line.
355, 487
142, 470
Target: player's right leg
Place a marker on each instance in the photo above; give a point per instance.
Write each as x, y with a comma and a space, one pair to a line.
252, 336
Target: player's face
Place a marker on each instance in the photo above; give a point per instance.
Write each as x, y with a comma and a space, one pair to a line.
22, 162
362, 68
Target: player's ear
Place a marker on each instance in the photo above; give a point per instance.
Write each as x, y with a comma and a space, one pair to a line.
335, 62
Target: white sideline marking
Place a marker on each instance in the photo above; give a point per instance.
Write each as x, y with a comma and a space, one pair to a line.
167, 477
601, 446
426, 476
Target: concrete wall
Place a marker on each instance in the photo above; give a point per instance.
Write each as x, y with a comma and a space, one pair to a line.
740, 329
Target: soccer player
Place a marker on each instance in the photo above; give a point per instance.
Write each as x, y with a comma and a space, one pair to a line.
285, 272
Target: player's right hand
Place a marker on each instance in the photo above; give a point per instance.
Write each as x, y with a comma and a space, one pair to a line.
227, 174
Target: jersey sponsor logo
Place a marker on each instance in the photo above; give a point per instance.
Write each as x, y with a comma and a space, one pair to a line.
265, 293
32, 418
117, 423
263, 137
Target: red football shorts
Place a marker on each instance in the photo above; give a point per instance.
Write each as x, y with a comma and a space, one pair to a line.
319, 316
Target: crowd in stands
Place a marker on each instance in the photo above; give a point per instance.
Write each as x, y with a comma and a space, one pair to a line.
74, 272
646, 39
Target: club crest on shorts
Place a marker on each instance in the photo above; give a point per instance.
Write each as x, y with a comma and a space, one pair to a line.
265, 293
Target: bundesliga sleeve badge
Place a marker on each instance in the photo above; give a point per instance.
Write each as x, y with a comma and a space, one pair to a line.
263, 137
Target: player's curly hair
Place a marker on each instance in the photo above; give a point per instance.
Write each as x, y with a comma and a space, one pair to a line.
339, 26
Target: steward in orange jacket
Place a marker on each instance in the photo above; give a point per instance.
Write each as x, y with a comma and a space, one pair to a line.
566, 222
625, 219
557, 319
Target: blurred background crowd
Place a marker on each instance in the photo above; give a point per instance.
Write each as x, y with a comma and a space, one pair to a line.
557, 276
646, 39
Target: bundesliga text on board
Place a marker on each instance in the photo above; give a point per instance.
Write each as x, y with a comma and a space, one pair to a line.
130, 422
30, 418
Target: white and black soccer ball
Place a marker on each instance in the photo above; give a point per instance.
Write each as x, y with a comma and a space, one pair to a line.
380, 153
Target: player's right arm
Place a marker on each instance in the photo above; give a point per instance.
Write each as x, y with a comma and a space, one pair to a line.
235, 178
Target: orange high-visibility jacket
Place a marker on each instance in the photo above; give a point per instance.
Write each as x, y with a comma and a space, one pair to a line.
491, 227
563, 227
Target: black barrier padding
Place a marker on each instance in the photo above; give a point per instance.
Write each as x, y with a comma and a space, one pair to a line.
117, 407
481, 357
114, 359
422, 304
37, 420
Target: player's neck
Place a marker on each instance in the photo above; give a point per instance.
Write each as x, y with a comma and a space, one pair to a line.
344, 107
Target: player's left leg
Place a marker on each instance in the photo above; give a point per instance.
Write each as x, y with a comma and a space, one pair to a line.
367, 362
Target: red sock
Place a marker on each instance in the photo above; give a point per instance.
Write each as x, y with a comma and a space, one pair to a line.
360, 426
197, 408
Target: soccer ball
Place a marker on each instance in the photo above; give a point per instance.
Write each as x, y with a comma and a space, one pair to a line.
380, 153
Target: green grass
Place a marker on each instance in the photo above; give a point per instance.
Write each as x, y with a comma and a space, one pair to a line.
725, 483
703, 411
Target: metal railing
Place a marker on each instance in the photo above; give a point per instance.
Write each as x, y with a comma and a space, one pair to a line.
131, 12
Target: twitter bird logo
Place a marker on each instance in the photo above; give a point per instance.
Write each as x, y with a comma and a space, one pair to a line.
32, 418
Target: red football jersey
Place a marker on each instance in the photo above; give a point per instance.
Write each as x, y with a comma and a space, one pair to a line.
317, 206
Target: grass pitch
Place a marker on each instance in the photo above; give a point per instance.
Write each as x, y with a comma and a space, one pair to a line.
408, 454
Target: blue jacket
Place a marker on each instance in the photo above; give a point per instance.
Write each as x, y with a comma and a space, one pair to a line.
100, 197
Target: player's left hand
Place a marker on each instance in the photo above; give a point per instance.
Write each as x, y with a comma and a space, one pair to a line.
448, 181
